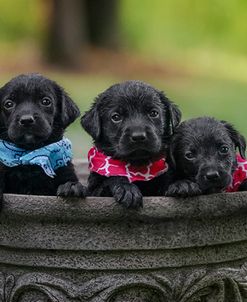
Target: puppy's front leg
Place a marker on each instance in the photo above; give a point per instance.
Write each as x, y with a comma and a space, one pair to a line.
68, 184
125, 193
183, 188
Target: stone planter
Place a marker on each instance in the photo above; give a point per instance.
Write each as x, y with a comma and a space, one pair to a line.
52, 250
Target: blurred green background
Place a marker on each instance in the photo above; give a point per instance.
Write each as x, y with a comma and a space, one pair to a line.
196, 51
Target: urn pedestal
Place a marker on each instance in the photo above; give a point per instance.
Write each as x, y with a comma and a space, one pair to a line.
55, 250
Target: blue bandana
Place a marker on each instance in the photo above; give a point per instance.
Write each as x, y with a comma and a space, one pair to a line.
49, 158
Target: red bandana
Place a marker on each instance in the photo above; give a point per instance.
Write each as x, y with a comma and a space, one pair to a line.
239, 175
107, 166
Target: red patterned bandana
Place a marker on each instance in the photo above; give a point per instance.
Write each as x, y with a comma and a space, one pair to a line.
239, 175
107, 166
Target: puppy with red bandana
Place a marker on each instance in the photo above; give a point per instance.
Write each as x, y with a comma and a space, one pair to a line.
131, 124
204, 152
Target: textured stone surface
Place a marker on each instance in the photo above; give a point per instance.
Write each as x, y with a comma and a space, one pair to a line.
181, 250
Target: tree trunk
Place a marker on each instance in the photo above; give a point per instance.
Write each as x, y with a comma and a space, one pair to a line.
67, 32
103, 23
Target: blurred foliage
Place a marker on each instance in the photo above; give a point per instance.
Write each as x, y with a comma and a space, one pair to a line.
160, 25
156, 26
20, 19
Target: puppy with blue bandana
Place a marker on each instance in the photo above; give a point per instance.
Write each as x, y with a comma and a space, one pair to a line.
35, 158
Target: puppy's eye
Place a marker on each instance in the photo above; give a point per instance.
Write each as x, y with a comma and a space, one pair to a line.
224, 149
8, 104
46, 102
153, 113
116, 118
189, 155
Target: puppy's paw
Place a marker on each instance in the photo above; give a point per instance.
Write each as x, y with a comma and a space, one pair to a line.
183, 188
128, 195
72, 189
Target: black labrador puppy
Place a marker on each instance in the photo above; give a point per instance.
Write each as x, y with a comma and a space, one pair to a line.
34, 113
204, 152
131, 124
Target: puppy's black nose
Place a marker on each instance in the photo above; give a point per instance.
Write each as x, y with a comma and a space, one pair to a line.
212, 175
138, 136
26, 120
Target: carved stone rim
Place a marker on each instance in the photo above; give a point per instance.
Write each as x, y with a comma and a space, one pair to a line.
106, 209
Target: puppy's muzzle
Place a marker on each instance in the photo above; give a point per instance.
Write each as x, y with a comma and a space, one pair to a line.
138, 136
212, 175
138, 141
27, 120
212, 178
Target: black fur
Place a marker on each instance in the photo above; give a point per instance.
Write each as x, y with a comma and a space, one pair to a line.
43, 102
204, 152
133, 122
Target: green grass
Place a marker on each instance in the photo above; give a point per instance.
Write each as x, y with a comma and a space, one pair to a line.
196, 96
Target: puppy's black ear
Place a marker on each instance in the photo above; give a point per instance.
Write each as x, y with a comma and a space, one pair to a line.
175, 116
174, 113
90, 121
236, 137
69, 110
